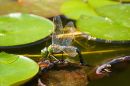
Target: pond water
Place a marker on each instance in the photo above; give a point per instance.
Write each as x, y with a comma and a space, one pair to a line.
73, 74
94, 53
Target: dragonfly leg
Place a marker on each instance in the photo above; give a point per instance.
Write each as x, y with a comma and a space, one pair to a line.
62, 58
49, 56
54, 57
81, 58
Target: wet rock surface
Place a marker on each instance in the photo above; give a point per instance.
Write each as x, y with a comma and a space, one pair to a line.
65, 75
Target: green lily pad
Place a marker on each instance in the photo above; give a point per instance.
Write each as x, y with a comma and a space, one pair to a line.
122, 13
96, 3
46, 8
16, 70
7, 58
18, 29
123, 0
108, 26
76, 8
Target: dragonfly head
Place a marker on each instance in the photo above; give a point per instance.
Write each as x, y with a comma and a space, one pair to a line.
50, 49
44, 52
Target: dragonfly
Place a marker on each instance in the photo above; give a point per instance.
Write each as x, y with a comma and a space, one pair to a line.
61, 41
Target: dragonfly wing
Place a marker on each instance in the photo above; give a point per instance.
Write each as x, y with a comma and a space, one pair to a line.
63, 36
68, 36
70, 50
58, 25
57, 30
56, 48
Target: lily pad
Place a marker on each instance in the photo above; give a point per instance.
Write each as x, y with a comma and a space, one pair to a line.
16, 70
113, 24
19, 29
96, 3
76, 8
122, 13
123, 0
46, 8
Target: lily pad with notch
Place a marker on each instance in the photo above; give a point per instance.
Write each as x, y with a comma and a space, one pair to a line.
19, 30
112, 26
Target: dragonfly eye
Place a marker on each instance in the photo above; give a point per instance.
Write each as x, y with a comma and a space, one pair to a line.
50, 48
44, 52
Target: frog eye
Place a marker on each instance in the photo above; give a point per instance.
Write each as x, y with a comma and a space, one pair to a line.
108, 65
